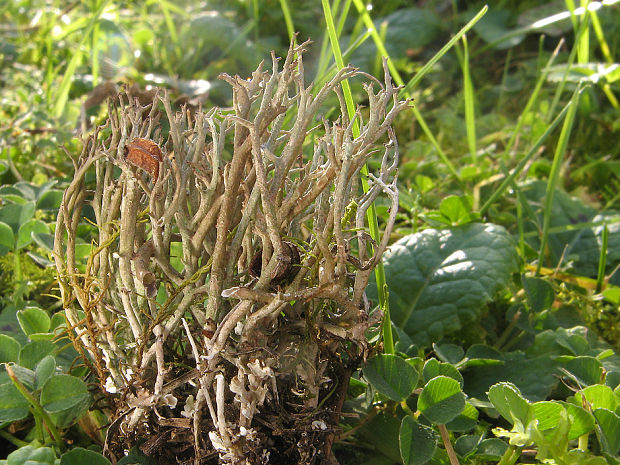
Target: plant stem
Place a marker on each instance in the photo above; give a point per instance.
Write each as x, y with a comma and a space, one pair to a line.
510, 456
502, 339
445, 437
12, 439
407, 409
38, 409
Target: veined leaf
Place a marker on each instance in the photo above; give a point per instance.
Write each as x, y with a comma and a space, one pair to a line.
440, 280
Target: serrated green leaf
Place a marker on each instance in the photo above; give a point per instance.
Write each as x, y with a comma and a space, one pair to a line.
30, 455
80, 456
599, 396
440, 280
441, 400
9, 349
33, 320
26, 230
417, 442
7, 238
62, 392
507, 400
609, 422
433, 368
548, 414
391, 375
581, 421
13, 406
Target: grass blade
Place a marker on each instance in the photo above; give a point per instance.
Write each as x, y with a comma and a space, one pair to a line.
373, 225
65, 84
470, 113
288, 19
363, 12
602, 261
554, 175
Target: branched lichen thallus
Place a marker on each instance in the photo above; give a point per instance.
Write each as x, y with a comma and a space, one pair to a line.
222, 304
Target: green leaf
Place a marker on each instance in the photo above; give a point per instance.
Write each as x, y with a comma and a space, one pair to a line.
548, 414
457, 210
466, 444
599, 396
391, 376
15, 215
136, 457
33, 352
495, 25
7, 238
588, 72
66, 418
382, 431
24, 375
465, 421
449, 353
50, 201
612, 379
9, 349
534, 376
33, 320
417, 442
491, 449
45, 241
30, 455
62, 392
13, 406
609, 422
441, 400
80, 456
573, 236
441, 280
587, 370
44, 370
433, 368
407, 29
581, 421
539, 293
26, 230
507, 400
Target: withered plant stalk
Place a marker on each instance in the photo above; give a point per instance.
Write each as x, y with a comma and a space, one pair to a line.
223, 303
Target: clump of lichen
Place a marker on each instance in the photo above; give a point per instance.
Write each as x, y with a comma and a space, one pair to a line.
224, 298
